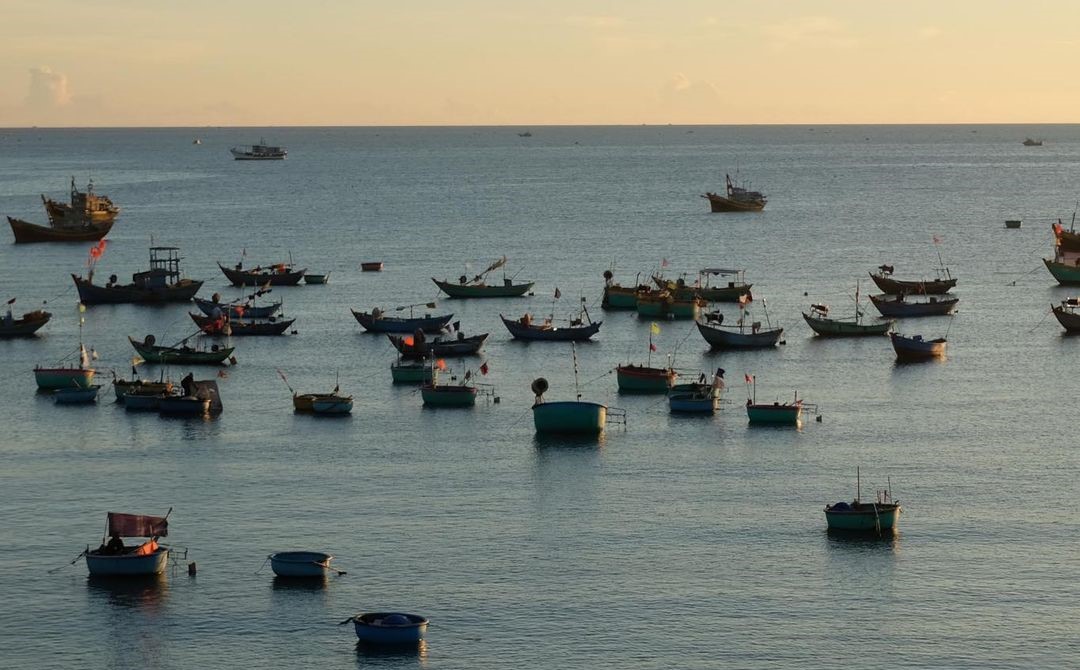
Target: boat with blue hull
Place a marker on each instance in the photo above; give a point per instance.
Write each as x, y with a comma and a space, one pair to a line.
389, 628
899, 307
332, 405
700, 397
376, 321
76, 395
525, 328
114, 559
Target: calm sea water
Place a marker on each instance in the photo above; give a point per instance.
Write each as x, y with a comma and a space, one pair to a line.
677, 542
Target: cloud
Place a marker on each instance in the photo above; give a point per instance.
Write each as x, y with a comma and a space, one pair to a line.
810, 31
48, 90
683, 92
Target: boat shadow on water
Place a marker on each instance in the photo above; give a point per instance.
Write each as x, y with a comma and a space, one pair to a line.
863, 541
553, 442
129, 592
370, 655
299, 584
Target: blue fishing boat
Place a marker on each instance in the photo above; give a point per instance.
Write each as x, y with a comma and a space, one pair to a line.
700, 397
389, 628
114, 559
76, 395
332, 405
879, 517
376, 321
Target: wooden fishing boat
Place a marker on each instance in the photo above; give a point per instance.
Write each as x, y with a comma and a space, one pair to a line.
76, 395
180, 355
143, 400
735, 288
161, 283
879, 517
1066, 241
435, 394
371, 266
662, 304
574, 331
223, 325
821, 323
788, 414
738, 199
1066, 274
899, 307
87, 218
404, 371
238, 310
915, 348
943, 283
113, 559
376, 321
332, 405
1068, 314
259, 152
316, 279
1013, 224
305, 402
123, 387
739, 336
389, 628
25, 326
644, 379
412, 346
700, 397
303, 564
278, 274
477, 288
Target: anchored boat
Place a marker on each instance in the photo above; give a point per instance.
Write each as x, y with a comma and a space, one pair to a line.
87, 218
898, 306
821, 323
477, 288
304, 564
664, 304
115, 559
24, 326
259, 152
738, 198
742, 335
277, 274
1068, 314
699, 397
376, 321
915, 348
161, 283
389, 628
223, 325
180, 353
620, 297
942, 283
702, 287
418, 345
879, 517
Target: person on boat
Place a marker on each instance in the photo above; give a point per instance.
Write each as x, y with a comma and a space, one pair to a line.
114, 547
188, 384
526, 320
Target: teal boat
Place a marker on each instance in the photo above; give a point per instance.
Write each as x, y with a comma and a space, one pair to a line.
644, 379
448, 395
1065, 274
662, 304
569, 416
82, 376
879, 517
410, 372
786, 414
619, 297
477, 288
821, 323
700, 397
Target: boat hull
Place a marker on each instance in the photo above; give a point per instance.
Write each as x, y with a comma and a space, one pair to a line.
482, 290
719, 337
466, 346
332, 406
776, 414
208, 308
390, 324
912, 349
448, 396
369, 632
641, 379
26, 326
552, 334
301, 564
846, 328
244, 278
917, 287
179, 356
184, 406
371, 266
76, 395
718, 203
127, 564
1068, 319
569, 417
143, 402
652, 306
884, 519
618, 297
316, 279
1066, 275
405, 373
91, 294
899, 309
27, 233
50, 379
211, 326
694, 398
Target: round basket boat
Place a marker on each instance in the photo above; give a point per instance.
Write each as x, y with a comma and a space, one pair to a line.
300, 564
390, 628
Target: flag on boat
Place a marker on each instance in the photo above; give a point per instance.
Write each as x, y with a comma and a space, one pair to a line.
748, 378
664, 263
652, 347
137, 525
558, 293
11, 302
654, 328
441, 364
484, 368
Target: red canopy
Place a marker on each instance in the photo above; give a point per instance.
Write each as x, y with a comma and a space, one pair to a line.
137, 525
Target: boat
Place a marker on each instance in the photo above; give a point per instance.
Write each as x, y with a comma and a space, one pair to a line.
371, 266
332, 405
146, 400
389, 628
180, 353
644, 378
24, 326
309, 564
1068, 314
198, 398
915, 348
419, 346
316, 279
161, 283
525, 134
114, 559
899, 307
1013, 223
123, 387
406, 371
223, 325
305, 402
702, 287
238, 309
87, 218
278, 274
50, 379
1030, 142
566, 416
1066, 274
76, 395
579, 329
943, 283
736, 199
878, 517
259, 152
376, 321
1066, 242
476, 288
821, 323
435, 394
698, 397
619, 297
740, 336
661, 304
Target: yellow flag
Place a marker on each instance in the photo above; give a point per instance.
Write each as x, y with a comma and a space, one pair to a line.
82, 307
655, 328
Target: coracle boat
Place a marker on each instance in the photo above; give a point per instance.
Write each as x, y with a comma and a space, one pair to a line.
332, 405
238, 309
25, 326
161, 283
76, 395
1013, 224
376, 321
575, 330
619, 297
50, 379
703, 287
390, 629
278, 274
476, 288
419, 346
87, 218
179, 354
776, 413
943, 283
899, 307
700, 397
371, 266
819, 321
113, 559
879, 517
569, 417
915, 348
303, 564
644, 378
1068, 315
223, 325
664, 304
259, 152
739, 336
406, 371
738, 199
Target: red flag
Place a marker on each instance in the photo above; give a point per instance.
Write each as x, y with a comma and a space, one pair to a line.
408, 340
484, 368
664, 263
652, 347
747, 378
441, 364
937, 240
239, 310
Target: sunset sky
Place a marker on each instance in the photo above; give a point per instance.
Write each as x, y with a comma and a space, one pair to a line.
476, 62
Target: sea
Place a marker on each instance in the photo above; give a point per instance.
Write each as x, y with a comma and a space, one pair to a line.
670, 542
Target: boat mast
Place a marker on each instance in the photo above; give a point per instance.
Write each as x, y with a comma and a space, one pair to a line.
577, 387
858, 485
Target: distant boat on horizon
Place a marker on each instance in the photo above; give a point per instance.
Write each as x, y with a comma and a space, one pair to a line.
259, 152
1029, 142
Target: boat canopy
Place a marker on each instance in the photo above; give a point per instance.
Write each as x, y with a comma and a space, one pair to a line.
720, 271
137, 525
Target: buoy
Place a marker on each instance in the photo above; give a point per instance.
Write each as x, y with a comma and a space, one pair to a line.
819, 418
539, 386
191, 568
608, 275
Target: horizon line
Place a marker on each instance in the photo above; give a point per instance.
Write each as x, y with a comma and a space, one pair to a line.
548, 125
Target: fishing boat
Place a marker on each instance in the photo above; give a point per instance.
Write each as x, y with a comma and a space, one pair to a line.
389, 628
406, 371
620, 297
578, 329
742, 335
305, 402
244, 307
124, 387
633, 378
731, 287
161, 283
371, 266
87, 218
661, 304
1066, 273
698, 397
898, 306
878, 517
277, 274
821, 323
180, 353
1030, 142
24, 326
332, 405
436, 394
1066, 242
477, 288
226, 326
915, 348
377, 321
419, 346
259, 152
943, 283
1068, 314
76, 395
737, 198
146, 400
52, 378
198, 398
306, 564
566, 416
310, 278
114, 559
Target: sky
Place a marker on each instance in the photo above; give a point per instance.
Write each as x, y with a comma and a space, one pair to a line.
536, 62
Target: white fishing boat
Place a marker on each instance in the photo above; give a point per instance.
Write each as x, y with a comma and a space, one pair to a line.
300, 563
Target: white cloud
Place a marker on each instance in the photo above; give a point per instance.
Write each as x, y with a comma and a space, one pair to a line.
48, 89
811, 31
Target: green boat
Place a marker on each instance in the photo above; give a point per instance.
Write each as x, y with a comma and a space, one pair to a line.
879, 517
569, 416
1065, 274
819, 321
410, 372
476, 288
617, 296
180, 355
662, 304
448, 395
787, 414
703, 288
51, 379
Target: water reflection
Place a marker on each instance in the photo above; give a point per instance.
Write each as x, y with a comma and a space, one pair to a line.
398, 656
899, 365
868, 542
550, 441
299, 584
146, 594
